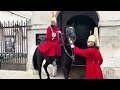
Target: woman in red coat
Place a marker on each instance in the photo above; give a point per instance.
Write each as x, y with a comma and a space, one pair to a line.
93, 58
52, 45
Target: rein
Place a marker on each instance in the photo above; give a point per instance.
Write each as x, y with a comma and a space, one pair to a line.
63, 44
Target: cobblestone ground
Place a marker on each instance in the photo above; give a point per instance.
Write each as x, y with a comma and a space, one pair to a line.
76, 73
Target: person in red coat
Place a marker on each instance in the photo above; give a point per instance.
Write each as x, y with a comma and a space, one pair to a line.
53, 41
93, 58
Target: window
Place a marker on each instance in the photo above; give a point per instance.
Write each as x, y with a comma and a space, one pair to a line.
9, 44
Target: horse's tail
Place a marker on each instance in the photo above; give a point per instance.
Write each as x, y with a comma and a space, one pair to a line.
34, 60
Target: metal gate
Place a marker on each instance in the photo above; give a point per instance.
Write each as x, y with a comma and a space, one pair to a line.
13, 45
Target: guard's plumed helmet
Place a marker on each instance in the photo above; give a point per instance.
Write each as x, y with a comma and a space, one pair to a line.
96, 36
53, 19
92, 38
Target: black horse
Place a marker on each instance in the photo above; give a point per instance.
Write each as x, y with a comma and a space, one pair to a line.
67, 55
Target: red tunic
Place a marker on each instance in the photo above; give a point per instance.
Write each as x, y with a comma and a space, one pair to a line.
93, 62
51, 47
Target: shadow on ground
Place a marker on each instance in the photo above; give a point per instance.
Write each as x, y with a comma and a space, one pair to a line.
77, 72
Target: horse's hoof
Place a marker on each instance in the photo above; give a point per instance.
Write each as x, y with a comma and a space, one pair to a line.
48, 78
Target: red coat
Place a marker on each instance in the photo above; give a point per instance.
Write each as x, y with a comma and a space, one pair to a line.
93, 62
51, 47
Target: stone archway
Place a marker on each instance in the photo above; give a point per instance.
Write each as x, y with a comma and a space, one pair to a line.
64, 16
84, 23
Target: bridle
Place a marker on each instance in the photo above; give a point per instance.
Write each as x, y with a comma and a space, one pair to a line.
63, 44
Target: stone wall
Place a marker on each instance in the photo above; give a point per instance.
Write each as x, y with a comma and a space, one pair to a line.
110, 49
111, 73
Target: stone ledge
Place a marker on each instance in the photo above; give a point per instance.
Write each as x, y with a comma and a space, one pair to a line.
110, 23
111, 72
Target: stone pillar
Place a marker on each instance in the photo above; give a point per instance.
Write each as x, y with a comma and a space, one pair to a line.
38, 25
39, 22
110, 49
0, 39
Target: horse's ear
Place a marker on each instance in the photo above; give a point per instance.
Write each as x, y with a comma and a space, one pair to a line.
73, 25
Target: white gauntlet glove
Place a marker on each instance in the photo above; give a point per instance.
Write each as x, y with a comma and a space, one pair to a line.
59, 31
71, 42
53, 35
72, 46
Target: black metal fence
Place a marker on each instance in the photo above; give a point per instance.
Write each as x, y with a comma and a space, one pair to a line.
13, 45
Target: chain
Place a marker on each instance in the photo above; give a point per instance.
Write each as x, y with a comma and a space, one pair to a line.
63, 44
73, 54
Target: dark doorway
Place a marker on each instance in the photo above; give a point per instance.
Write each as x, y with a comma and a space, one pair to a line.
84, 27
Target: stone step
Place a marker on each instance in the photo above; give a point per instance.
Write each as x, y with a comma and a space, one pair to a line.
75, 65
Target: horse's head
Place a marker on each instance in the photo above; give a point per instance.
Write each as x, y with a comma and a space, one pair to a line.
70, 33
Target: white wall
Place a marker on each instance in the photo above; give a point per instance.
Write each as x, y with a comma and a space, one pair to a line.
40, 17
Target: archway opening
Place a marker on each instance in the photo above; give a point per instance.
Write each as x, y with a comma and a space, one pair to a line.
84, 27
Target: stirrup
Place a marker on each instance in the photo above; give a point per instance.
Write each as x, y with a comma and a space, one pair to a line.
54, 63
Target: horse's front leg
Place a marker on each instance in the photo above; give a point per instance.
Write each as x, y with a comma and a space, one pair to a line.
65, 69
66, 63
45, 67
39, 62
